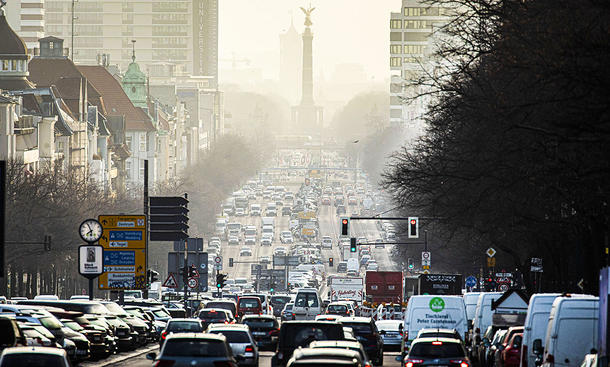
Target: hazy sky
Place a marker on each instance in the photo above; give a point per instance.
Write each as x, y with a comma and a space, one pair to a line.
345, 31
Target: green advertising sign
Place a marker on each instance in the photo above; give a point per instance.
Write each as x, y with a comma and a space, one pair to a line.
437, 304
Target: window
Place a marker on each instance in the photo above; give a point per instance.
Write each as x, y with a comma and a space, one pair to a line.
395, 113
415, 49
5, 64
412, 12
395, 23
417, 24
395, 36
128, 168
141, 168
142, 141
395, 49
395, 61
128, 142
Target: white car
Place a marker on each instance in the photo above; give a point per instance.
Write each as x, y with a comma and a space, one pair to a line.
372, 265
327, 242
286, 237
245, 251
240, 212
250, 240
262, 260
379, 243
266, 240
233, 240
280, 251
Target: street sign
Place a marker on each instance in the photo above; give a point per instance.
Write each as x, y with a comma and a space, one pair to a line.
426, 271
124, 252
491, 252
192, 282
293, 260
170, 282
168, 218
218, 266
90, 260
503, 287
581, 284
471, 281
425, 259
218, 259
196, 274
491, 262
536, 265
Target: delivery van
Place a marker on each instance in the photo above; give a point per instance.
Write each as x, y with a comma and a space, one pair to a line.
433, 311
572, 331
536, 322
482, 319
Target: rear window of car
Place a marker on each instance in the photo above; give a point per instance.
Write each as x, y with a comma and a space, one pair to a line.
260, 322
233, 336
300, 335
337, 308
183, 326
359, 327
32, 359
224, 305
430, 350
193, 348
248, 303
215, 315
437, 335
280, 299
306, 300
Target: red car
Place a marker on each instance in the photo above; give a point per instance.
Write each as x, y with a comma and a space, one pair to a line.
511, 355
249, 305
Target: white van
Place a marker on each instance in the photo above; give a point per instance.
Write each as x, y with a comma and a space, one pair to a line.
429, 311
307, 304
572, 331
536, 322
470, 300
482, 318
353, 264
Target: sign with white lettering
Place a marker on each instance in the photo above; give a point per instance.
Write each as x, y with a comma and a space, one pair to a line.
90, 260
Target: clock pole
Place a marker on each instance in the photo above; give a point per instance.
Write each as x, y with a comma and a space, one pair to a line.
146, 210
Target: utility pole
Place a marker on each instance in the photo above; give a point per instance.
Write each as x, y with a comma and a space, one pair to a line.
145, 292
72, 47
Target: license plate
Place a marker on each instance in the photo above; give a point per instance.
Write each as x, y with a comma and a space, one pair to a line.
258, 333
81, 352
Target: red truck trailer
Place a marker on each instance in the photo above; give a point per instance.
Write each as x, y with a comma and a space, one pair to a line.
384, 286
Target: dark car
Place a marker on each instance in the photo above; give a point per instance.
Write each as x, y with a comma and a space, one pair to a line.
338, 308
435, 352
34, 356
96, 336
11, 335
278, 302
264, 328
295, 334
213, 316
286, 211
190, 349
366, 332
176, 326
225, 304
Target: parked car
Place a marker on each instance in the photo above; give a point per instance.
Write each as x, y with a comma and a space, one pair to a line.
34, 356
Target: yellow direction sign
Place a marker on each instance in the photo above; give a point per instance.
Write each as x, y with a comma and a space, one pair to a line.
124, 242
491, 262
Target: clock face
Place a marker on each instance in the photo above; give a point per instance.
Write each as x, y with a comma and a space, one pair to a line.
90, 230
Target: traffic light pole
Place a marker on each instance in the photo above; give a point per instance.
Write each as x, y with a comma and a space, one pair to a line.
185, 277
146, 235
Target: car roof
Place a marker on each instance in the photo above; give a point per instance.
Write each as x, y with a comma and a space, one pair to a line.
34, 350
435, 330
183, 320
430, 340
203, 336
240, 327
270, 317
323, 352
333, 343
363, 320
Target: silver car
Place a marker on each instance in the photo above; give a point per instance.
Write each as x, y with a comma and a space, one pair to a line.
31, 356
194, 349
391, 333
241, 341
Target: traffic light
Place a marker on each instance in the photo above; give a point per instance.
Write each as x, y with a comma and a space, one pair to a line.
352, 245
330, 262
413, 227
230, 262
344, 226
410, 264
220, 280
153, 276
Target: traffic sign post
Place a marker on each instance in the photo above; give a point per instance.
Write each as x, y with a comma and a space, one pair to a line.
170, 282
90, 263
491, 252
124, 256
193, 283
471, 281
425, 259
168, 218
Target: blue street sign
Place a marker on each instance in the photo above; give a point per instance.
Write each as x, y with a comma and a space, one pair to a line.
119, 257
125, 235
471, 281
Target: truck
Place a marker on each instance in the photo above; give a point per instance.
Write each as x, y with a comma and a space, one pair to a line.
346, 289
346, 252
440, 284
384, 286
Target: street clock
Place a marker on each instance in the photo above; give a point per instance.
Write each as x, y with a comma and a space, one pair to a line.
90, 230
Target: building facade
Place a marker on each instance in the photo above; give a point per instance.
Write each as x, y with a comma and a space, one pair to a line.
412, 34
26, 17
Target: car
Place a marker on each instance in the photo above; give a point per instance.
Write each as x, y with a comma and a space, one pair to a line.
286, 211
379, 243
327, 242
287, 312
175, 326
342, 267
295, 334
341, 209
339, 308
286, 237
391, 333
324, 356
11, 334
364, 259
240, 212
34, 356
255, 210
280, 251
372, 265
352, 200
265, 299
264, 260
326, 200
267, 240
214, 316
435, 352
240, 340
352, 273
366, 333
233, 240
248, 305
190, 349
265, 330
249, 240
344, 344
328, 317
245, 251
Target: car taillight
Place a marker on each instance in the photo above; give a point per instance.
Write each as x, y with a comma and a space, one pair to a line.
163, 334
274, 332
550, 358
524, 356
164, 363
249, 349
410, 362
461, 362
437, 343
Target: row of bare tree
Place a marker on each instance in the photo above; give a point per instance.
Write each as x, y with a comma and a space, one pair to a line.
517, 148
51, 201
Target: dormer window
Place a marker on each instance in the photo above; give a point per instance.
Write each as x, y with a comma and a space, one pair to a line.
51, 45
5, 65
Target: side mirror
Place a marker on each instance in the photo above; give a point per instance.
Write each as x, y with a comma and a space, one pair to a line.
382, 332
151, 356
400, 327
537, 347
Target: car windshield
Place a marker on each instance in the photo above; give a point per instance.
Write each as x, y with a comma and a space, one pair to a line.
233, 336
183, 326
437, 334
223, 305
73, 325
337, 308
115, 308
437, 350
259, 322
32, 359
213, 315
301, 335
193, 348
50, 323
248, 303
306, 300
160, 313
